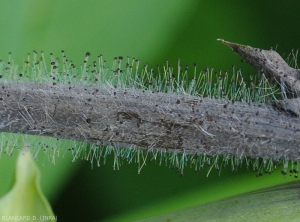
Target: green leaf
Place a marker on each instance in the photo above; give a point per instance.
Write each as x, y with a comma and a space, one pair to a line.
279, 203
26, 201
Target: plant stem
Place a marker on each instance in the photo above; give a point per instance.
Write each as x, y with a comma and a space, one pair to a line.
149, 120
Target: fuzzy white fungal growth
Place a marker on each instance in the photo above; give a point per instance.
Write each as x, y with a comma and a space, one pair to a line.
139, 114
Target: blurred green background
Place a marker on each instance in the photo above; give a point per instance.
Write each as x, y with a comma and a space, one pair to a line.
153, 31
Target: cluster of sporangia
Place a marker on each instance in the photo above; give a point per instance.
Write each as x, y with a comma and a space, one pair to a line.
138, 114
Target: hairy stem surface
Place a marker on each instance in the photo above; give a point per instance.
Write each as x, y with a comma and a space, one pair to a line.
149, 120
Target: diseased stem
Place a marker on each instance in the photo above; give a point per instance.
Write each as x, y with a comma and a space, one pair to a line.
180, 123
149, 120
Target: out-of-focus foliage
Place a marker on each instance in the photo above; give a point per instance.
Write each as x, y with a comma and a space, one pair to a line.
25, 200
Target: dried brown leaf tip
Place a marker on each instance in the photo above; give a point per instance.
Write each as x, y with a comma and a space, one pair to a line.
271, 64
275, 68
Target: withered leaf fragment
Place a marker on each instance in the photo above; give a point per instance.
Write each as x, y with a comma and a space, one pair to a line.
276, 69
270, 63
